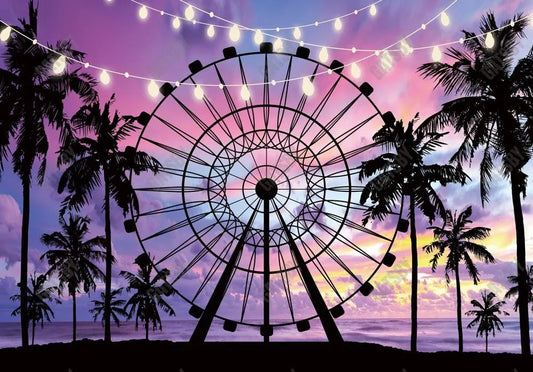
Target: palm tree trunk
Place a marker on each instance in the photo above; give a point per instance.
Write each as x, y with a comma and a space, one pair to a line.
24, 321
459, 319
146, 324
486, 342
33, 331
414, 274
73, 316
108, 260
523, 294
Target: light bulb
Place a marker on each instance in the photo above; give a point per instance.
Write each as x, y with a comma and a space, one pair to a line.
126, 75
189, 13
143, 12
153, 89
301, 43
34, 42
258, 37
211, 14
104, 77
273, 82
177, 83
86, 65
245, 93
278, 45
355, 70
512, 23
198, 92
297, 33
59, 65
354, 49
489, 40
176, 23
444, 19
220, 86
405, 48
323, 55
109, 1
234, 33
210, 31
373, 10
307, 86
436, 54
5, 34
423, 26
386, 61
338, 24
162, 12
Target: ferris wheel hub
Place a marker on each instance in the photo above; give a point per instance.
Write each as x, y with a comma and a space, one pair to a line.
266, 189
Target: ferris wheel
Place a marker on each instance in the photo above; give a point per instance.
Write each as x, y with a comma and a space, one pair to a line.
255, 210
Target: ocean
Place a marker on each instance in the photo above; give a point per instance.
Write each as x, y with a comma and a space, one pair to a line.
433, 334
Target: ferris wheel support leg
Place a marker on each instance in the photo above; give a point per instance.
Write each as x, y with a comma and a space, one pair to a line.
202, 328
332, 332
266, 267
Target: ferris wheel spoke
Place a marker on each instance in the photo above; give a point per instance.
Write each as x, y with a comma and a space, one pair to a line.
229, 100
351, 154
286, 283
199, 122
266, 94
320, 107
344, 136
348, 204
301, 104
317, 300
249, 102
183, 134
171, 208
328, 127
178, 226
341, 238
173, 189
248, 282
180, 153
216, 264
284, 95
182, 173
190, 241
320, 268
356, 226
200, 332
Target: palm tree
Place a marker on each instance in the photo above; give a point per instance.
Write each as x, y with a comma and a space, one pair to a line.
402, 172
38, 309
117, 307
492, 115
147, 297
31, 94
486, 317
456, 238
95, 158
513, 291
73, 258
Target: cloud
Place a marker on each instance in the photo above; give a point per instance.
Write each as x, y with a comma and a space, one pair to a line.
10, 229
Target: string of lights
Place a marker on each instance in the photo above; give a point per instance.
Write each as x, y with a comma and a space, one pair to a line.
260, 34
386, 61
336, 21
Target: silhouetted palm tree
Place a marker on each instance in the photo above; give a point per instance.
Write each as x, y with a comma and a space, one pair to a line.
95, 160
38, 309
117, 307
487, 316
404, 172
513, 291
31, 95
456, 238
147, 297
73, 258
497, 100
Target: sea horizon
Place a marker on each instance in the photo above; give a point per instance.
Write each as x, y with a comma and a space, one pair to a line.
435, 334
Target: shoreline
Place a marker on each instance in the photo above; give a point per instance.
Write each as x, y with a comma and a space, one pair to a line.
140, 355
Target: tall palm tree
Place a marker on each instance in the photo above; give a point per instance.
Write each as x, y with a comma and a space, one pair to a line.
496, 102
404, 171
38, 309
117, 307
147, 297
31, 96
73, 258
95, 160
456, 238
486, 316
513, 291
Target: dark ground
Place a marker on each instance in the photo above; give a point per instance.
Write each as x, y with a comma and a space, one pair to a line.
95, 356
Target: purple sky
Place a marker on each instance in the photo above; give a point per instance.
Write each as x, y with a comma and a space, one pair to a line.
113, 37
